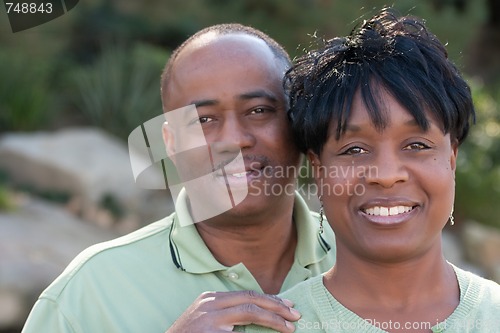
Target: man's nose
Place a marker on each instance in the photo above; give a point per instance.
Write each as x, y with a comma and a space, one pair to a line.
232, 139
234, 135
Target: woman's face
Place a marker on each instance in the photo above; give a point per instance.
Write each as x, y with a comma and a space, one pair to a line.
387, 193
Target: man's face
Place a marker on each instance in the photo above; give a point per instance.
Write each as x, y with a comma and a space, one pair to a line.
235, 81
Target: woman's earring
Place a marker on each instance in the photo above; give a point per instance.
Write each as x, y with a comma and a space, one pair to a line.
321, 216
452, 219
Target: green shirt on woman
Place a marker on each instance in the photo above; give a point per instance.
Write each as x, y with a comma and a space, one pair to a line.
477, 312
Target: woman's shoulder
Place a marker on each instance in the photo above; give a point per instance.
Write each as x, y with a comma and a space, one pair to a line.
480, 302
303, 293
477, 284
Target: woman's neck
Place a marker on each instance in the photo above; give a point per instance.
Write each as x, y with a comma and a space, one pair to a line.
421, 289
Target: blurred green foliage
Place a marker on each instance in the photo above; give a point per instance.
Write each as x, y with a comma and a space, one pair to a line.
478, 165
100, 65
112, 205
6, 203
25, 97
120, 90
5, 200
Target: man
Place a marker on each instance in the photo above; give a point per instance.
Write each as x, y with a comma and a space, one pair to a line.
151, 279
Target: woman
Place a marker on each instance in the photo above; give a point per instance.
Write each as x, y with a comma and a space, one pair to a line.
381, 114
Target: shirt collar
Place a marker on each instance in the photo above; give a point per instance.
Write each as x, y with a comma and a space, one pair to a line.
190, 253
311, 245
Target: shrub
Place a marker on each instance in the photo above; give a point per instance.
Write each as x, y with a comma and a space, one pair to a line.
25, 99
478, 169
121, 89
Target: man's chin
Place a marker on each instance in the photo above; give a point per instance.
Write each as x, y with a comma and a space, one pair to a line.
208, 201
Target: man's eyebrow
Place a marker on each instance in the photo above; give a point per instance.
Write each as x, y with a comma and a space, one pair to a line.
245, 96
204, 102
258, 94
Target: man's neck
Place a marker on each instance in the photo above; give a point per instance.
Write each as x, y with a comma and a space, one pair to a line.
264, 243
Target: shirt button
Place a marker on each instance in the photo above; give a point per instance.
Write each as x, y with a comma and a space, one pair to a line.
233, 276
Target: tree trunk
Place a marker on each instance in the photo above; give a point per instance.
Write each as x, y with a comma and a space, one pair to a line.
483, 58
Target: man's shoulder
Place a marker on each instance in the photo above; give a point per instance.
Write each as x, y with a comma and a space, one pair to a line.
95, 259
142, 237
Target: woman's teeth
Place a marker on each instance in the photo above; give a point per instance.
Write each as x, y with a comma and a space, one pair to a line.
387, 211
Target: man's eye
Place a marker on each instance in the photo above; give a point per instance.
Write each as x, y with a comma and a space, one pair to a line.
203, 120
354, 151
200, 120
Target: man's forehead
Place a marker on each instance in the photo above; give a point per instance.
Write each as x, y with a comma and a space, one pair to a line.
210, 56
229, 42
203, 40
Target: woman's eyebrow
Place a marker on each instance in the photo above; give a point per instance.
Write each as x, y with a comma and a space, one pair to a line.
357, 128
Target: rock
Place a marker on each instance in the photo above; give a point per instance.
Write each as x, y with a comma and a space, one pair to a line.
496, 273
37, 241
87, 164
453, 251
482, 247
13, 310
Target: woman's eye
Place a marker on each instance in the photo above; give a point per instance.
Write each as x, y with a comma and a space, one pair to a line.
259, 110
354, 151
416, 146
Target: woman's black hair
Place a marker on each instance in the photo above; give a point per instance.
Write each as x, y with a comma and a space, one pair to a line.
388, 52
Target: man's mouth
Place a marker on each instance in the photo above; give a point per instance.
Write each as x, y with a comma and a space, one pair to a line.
240, 174
239, 169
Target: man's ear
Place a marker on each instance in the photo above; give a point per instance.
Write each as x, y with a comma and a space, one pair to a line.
168, 140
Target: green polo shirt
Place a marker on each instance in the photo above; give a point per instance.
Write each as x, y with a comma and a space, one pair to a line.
143, 282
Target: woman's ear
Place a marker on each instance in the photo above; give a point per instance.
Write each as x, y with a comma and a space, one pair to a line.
313, 158
453, 155
315, 163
